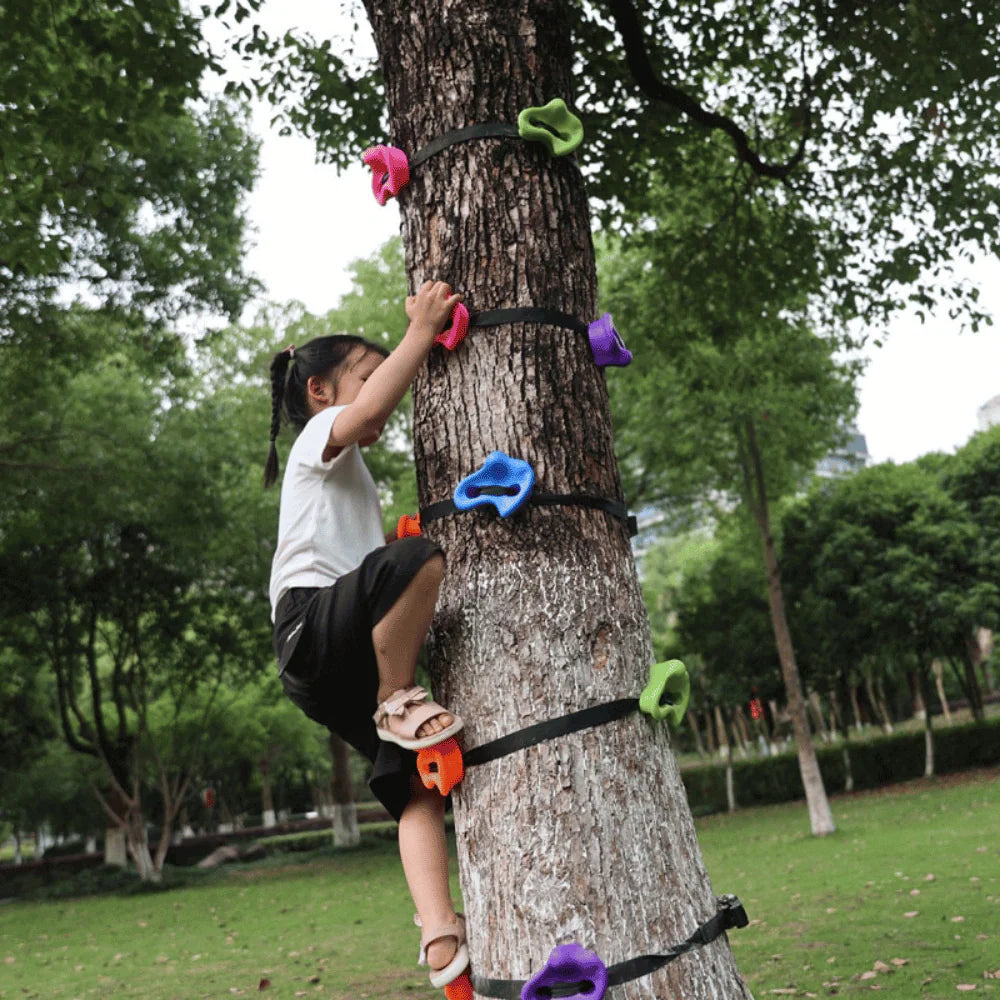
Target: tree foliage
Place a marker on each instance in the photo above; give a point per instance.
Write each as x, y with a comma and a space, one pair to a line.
886, 565
872, 121
117, 174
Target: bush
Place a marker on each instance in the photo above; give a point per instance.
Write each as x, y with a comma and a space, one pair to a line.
882, 760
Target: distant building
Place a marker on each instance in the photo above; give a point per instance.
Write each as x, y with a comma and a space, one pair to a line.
849, 457
988, 415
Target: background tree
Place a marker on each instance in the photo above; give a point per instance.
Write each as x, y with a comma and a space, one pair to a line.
972, 477
898, 557
752, 396
118, 177
146, 587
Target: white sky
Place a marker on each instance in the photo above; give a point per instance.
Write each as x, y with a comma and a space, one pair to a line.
919, 393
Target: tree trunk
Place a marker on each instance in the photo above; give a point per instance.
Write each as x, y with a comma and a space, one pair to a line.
883, 703
692, 719
919, 707
540, 613
710, 733
937, 668
268, 819
928, 729
820, 814
973, 659
730, 790
816, 707
984, 639
878, 705
723, 733
855, 708
346, 832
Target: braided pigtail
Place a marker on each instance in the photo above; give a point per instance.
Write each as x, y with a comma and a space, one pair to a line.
279, 370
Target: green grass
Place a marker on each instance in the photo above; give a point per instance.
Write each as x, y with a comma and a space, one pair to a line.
338, 924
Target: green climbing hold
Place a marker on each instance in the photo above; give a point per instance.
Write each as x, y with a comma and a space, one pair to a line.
668, 692
553, 124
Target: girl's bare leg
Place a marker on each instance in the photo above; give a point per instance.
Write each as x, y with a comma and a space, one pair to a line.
424, 852
397, 638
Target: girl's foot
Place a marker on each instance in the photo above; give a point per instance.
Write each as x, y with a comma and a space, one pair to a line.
444, 950
441, 952
408, 717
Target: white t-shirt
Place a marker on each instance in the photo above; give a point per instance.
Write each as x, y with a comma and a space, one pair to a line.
330, 516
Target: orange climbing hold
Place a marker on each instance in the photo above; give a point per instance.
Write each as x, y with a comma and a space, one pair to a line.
441, 766
459, 989
408, 526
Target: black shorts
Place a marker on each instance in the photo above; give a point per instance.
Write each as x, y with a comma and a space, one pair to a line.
323, 642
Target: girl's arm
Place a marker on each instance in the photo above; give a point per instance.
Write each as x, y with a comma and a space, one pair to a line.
363, 419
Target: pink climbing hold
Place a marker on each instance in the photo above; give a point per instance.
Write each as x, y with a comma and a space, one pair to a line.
455, 333
390, 171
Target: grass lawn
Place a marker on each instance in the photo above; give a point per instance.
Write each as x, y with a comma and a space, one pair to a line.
903, 899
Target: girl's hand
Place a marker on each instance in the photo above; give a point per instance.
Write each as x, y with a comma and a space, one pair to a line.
430, 309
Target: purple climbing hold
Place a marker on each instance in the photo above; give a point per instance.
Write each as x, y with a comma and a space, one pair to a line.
569, 965
501, 481
606, 343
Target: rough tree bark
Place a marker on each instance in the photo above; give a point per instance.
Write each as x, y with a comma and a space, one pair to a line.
587, 838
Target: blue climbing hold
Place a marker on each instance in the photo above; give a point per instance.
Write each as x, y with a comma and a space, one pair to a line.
502, 481
569, 966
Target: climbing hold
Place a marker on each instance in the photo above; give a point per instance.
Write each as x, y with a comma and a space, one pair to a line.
502, 481
667, 694
455, 333
552, 124
408, 526
572, 966
459, 989
390, 171
606, 343
440, 766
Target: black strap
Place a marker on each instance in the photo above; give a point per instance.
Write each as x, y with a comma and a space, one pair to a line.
445, 508
485, 130
596, 715
528, 314
730, 913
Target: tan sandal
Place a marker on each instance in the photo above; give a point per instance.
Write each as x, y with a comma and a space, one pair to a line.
458, 965
398, 718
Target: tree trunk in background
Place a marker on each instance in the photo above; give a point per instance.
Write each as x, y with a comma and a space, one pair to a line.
984, 639
973, 658
268, 819
919, 707
883, 703
723, 734
816, 707
345, 812
937, 668
710, 733
541, 613
820, 814
692, 720
730, 790
928, 729
877, 705
855, 707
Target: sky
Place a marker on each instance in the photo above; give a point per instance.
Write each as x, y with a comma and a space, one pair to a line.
919, 393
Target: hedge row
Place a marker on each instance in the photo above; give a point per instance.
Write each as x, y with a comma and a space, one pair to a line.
883, 760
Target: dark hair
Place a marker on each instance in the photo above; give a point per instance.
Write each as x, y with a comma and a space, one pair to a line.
291, 369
